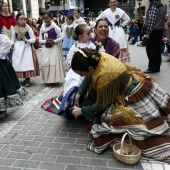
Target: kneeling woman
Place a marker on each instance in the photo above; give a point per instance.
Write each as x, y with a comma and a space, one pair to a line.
130, 101
11, 92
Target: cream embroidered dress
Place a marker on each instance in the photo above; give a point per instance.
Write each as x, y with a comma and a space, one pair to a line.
52, 64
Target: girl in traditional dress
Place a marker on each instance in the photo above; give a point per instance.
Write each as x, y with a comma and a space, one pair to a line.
7, 22
52, 64
129, 100
82, 36
117, 20
24, 58
11, 92
59, 105
67, 34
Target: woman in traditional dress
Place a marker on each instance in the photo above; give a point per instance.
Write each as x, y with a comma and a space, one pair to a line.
67, 34
52, 64
24, 58
117, 20
11, 92
7, 22
101, 30
130, 101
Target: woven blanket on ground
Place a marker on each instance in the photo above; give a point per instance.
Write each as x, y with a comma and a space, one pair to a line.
150, 103
60, 105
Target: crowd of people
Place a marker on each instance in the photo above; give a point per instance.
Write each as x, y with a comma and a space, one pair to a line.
113, 97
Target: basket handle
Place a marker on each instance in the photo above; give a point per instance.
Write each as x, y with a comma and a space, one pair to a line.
122, 142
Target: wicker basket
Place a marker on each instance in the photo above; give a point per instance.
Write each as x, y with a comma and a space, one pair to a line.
126, 153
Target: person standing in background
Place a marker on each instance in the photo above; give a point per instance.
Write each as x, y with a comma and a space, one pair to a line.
60, 18
7, 22
117, 20
78, 19
52, 65
155, 20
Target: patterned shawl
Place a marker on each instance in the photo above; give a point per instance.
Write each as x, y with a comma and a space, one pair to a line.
21, 31
107, 80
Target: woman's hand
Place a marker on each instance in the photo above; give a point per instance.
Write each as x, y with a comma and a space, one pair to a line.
98, 43
76, 112
12, 46
26, 41
51, 42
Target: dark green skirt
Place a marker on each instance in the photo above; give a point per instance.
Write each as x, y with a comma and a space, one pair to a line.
12, 93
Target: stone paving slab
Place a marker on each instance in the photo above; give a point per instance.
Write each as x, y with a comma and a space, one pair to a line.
39, 140
32, 138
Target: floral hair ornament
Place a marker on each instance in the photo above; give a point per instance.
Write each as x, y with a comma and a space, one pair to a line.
83, 53
95, 58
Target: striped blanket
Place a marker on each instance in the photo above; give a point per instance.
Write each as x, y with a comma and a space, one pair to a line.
150, 103
60, 105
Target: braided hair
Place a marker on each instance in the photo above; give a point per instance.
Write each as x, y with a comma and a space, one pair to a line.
79, 30
85, 58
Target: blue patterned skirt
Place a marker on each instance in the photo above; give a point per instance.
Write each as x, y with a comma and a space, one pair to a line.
66, 45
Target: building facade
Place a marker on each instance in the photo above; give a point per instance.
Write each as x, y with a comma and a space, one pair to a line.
96, 7
35, 8
144, 4
68, 7
31, 8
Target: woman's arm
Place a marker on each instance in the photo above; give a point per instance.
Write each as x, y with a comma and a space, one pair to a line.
70, 54
116, 50
83, 86
126, 19
4, 45
82, 90
41, 40
64, 32
89, 112
59, 35
102, 15
13, 37
32, 36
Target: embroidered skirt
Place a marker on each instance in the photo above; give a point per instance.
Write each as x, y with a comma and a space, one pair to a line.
52, 64
31, 73
150, 103
11, 92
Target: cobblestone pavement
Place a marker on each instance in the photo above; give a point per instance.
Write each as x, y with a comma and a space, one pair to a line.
31, 138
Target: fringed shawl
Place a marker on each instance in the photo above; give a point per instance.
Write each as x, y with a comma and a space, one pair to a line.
21, 31
108, 78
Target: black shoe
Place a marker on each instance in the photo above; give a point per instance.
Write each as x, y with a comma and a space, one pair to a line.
151, 71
